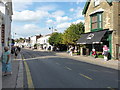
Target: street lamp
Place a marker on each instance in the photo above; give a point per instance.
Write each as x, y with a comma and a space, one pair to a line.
14, 35
51, 28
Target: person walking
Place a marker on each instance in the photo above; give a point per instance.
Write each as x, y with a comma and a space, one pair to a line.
18, 48
6, 62
71, 51
105, 52
16, 52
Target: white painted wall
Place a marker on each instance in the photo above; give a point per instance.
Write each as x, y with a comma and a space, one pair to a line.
6, 12
2, 7
0, 44
7, 28
33, 40
2, 12
44, 41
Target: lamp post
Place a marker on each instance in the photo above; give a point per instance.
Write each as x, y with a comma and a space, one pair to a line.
51, 28
14, 35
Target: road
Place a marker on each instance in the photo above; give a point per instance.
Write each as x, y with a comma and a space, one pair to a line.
50, 71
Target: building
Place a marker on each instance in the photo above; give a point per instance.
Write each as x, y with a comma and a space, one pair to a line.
27, 42
33, 40
43, 42
5, 23
102, 26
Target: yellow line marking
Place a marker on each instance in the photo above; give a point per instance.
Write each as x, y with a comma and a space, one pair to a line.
86, 76
29, 78
43, 57
17, 59
111, 88
68, 68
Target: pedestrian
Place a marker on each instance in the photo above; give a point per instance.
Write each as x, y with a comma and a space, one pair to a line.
12, 49
18, 48
105, 52
16, 52
6, 62
71, 51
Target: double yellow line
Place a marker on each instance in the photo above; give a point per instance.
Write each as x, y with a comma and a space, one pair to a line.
29, 77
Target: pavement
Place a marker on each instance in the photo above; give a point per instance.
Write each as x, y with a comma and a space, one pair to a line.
114, 64
16, 79
0, 76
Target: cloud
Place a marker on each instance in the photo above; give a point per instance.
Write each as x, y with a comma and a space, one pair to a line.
50, 0
28, 15
62, 19
57, 13
50, 21
78, 21
71, 10
21, 5
77, 12
67, 24
28, 30
47, 8
42, 17
30, 27
63, 25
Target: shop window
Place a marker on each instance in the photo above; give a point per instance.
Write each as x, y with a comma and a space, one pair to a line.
96, 22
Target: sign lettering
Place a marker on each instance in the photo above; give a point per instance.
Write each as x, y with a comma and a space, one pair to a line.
2, 33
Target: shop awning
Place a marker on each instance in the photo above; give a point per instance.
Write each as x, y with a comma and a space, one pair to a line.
92, 37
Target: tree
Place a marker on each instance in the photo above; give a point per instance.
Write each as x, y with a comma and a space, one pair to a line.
72, 34
56, 39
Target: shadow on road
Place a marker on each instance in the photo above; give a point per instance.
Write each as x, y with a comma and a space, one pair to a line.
28, 54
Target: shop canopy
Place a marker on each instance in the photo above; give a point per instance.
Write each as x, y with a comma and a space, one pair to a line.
92, 37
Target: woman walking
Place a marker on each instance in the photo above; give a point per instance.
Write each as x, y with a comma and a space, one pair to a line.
105, 52
6, 62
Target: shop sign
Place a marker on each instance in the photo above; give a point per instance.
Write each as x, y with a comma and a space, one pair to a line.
3, 33
90, 36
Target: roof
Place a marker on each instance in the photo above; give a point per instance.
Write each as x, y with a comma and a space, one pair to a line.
48, 35
88, 2
86, 7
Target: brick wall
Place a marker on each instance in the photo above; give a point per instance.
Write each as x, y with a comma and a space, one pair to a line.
111, 20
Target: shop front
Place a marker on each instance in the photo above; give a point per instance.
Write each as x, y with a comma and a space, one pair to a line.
118, 51
96, 40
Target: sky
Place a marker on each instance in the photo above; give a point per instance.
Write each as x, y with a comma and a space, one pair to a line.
34, 17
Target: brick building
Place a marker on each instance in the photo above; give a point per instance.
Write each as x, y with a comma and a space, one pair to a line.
102, 26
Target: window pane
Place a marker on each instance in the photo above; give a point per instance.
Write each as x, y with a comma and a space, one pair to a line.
100, 24
94, 19
94, 26
100, 17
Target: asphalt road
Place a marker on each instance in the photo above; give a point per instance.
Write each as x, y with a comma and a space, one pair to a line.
51, 71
